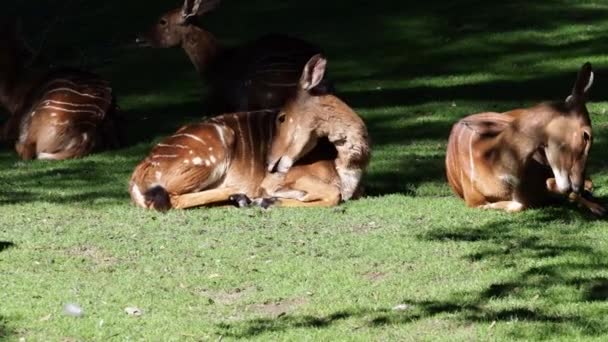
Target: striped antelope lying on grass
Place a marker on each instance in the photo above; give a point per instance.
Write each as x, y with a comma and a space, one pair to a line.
258, 75
55, 114
524, 157
207, 163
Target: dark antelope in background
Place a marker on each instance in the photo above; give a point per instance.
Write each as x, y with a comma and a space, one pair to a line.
54, 114
258, 75
207, 163
522, 158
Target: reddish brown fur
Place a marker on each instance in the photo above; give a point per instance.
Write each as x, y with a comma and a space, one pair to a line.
258, 75
497, 161
226, 152
307, 117
54, 114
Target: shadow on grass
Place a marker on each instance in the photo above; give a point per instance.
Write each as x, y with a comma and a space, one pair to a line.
552, 281
392, 40
5, 332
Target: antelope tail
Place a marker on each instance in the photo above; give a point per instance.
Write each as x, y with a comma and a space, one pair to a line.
157, 198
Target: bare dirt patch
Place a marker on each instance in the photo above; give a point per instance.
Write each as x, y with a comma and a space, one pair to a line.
375, 276
277, 308
94, 254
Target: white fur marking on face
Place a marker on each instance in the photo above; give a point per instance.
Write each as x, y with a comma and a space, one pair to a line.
213, 160
197, 161
562, 180
158, 175
207, 162
186, 161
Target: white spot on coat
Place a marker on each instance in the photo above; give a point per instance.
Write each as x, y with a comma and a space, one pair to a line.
197, 161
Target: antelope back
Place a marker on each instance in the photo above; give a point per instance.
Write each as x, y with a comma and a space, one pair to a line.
469, 139
226, 151
264, 73
66, 116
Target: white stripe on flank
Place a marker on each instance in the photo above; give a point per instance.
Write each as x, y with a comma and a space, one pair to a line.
251, 146
69, 110
164, 156
220, 133
240, 130
77, 93
471, 161
46, 102
176, 145
191, 136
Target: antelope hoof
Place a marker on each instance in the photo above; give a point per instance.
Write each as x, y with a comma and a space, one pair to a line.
266, 203
240, 200
596, 209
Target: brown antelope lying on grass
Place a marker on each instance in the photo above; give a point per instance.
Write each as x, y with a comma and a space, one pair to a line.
209, 162
259, 75
523, 158
55, 114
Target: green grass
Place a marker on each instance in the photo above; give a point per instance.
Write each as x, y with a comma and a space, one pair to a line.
68, 233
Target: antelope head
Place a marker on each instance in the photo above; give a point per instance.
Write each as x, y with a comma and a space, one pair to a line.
173, 27
569, 136
296, 123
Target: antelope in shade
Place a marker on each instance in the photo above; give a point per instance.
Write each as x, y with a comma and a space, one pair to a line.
257, 75
210, 162
524, 157
55, 114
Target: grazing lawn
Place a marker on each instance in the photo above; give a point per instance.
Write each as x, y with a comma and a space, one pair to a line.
408, 262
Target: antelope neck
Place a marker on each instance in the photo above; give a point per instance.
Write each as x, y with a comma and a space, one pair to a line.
525, 135
201, 47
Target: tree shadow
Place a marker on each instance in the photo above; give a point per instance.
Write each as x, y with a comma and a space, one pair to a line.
388, 43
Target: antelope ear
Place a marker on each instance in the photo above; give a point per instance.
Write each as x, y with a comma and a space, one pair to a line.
196, 8
583, 83
313, 72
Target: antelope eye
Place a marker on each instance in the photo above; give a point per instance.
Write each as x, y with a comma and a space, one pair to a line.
163, 22
281, 118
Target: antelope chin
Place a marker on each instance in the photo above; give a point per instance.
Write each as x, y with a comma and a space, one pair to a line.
142, 42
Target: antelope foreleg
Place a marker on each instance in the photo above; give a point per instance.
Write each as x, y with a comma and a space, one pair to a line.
308, 191
202, 198
595, 208
508, 206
